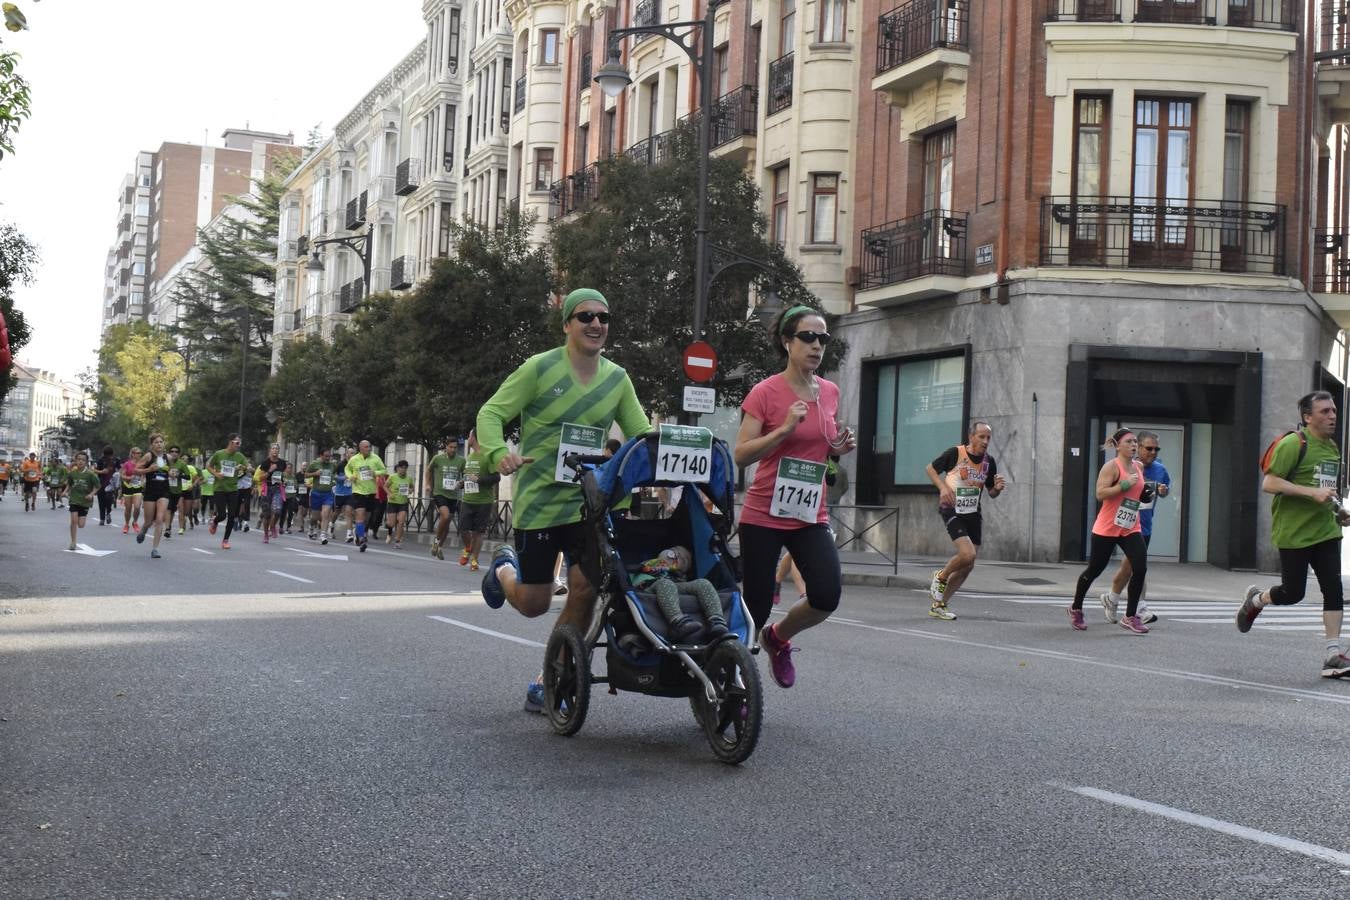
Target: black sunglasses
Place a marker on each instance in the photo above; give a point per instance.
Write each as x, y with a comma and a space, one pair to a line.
810, 337
1150, 449
587, 317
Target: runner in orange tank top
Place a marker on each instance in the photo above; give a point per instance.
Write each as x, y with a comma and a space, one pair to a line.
1120, 487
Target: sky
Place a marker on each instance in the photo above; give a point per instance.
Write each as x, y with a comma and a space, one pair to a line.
110, 79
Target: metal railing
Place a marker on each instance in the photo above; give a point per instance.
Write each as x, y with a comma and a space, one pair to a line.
422, 514
1334, 33
520, 94
921, 26
1082, 11
408, 176
356, 212
350, 295
575, 192
1176, 12
931, 243
288, 250
652, 150
858, 528
1331, 273
780, 84
735, 114
584, 73
646, 12
402, 273
1201, 235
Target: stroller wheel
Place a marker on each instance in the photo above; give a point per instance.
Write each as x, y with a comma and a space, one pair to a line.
567, 680
732, 722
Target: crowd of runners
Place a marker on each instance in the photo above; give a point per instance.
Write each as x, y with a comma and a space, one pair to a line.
789, 429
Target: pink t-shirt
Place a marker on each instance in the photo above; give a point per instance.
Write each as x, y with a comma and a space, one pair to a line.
769, 402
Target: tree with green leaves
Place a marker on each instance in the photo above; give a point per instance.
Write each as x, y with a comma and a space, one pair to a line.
636, 244
18, 257
147, 375
305, 392
15, 94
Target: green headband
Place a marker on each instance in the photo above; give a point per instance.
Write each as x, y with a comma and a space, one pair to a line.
796, 311
579, 296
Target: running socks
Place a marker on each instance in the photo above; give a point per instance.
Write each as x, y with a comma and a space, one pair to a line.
360, 531
1333, 646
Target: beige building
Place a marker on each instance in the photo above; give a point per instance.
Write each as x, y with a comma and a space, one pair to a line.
34, 405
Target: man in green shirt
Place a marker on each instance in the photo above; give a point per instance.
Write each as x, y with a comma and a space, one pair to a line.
365, 471
56, 478
180, 480
321, 475
478, 502
399, 488
567, 400
208, 488
81, 484
445, 474
228, 466
1306, 522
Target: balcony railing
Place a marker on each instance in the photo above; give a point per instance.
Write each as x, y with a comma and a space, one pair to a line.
584, 74
1277, 14
287, 251
1176, 12
1331, 274
652, 150
124, 224
919, 27
1082, 11
520, 94
931, 243
646, 12
356, 212
574, 193
1334, 34
402, 273
1200, 235
408, 176
350, 295
735, 115
301, 246
780, 84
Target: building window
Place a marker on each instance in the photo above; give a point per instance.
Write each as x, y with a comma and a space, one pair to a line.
824, 208
543, 168
449, 162
548, 47
780, 206
443, 240
831, 21
920, 411
1236, 171
722, 65
787, 23
583, 148
501, 197
453, 57
142, 207
1090, 153
506, 94
608, 123
1164, 149
939, 164
138, 268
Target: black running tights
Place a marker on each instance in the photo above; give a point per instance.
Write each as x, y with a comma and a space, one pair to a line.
1100, 556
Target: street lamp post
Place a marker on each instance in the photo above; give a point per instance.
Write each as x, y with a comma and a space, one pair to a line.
360, 244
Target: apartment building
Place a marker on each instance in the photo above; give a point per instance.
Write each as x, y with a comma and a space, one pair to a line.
171, 193
1076, 214
34, 405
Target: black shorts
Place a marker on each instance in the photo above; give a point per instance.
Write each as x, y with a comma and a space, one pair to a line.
30, 487
364, 501
449, 503
475, 517
131, 492
80, 511
173, 501
962, 526
537, 550
156, 491
341, 500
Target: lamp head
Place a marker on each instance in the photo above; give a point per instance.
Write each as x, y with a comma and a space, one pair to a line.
613, 75
315, 261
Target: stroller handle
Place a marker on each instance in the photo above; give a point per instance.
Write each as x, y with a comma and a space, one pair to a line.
577, 461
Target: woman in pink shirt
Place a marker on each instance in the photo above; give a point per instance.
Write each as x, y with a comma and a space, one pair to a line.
133, 487
788, 429
1120, 487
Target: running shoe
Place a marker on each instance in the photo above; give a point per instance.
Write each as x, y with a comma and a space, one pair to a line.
473, 564
780, 657
324, 539
1248, 611
168, 533
180, 530
1133, 625
154, 554
1336, 666
559, 587
1146, 615
939, 610
266, 539
351, 538
210, 528
937, 587
140, 537
398, 545
534, 697
245, 528
1076, 619
361, 545
464, 557
135, 527
1110, 607
314, 536
125, 529
492, 586
388, 538
72, 546
224, 545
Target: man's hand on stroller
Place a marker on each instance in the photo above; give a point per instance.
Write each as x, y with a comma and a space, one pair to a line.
511, 462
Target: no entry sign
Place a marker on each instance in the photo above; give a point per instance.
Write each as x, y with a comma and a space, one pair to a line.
700, 362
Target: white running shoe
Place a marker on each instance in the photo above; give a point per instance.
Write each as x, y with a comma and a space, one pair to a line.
1110, 607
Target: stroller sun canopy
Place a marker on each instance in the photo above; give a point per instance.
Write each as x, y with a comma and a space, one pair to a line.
634, 465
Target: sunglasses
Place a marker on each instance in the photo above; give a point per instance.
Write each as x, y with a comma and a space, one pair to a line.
810, 337
1150, 449
587, 317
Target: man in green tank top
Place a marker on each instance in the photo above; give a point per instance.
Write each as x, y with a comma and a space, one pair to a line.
567, 400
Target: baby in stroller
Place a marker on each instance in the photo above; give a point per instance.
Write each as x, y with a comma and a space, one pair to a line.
664, 576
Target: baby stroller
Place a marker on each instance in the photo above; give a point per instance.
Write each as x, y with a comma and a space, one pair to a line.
719, 677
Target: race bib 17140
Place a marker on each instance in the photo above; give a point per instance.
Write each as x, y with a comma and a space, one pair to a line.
683, 453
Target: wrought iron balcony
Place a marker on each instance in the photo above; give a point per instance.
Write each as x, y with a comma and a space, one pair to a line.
520, 94
1082, 10
652, 150
735, 115
1200, 236
646, 12
1331, 272
780, 84
584, 73
124, 224
574, 193
919, 27
350, 295
301, 246
402, 273
408, 176
1170, 12
356, 212
931, 243
1334, 34
1281, 15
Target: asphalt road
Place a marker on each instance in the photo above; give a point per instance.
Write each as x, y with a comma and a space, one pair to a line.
211, 725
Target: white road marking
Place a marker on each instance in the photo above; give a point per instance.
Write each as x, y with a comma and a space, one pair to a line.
86, 550
207, 552
489, 632
340, 556
291, 577
404, 554
1180, 674
1278, 841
